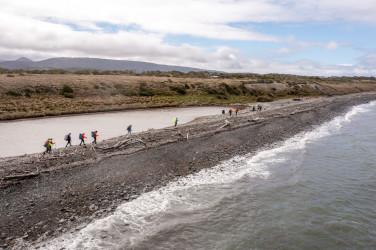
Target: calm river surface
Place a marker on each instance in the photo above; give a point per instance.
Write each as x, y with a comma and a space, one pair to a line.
28, 136
314, 191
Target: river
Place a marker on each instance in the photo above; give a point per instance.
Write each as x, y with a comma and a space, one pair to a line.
313, 191
28, 136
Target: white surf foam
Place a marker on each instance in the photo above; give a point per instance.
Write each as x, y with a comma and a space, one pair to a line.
142, 217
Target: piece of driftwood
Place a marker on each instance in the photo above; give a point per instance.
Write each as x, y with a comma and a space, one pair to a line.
122, 144
224, 125
21, 176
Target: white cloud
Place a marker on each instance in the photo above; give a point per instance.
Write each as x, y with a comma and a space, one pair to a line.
332, 46
44, 28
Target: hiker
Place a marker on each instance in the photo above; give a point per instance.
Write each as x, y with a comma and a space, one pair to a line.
223, 111
129, 128
68, 138
253, 108
260, 107
176, 121
82, 138
236, 111
94, 134
230, 112
48, 144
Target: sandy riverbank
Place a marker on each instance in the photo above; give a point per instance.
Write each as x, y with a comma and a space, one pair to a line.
42, 197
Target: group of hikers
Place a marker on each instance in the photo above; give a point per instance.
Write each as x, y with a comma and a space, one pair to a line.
48, 144
253, 108
94, 134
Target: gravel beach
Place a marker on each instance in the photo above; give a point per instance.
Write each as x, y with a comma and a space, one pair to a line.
44, 196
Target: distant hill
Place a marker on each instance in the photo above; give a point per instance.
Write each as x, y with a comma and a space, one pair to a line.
90, 63
24, 59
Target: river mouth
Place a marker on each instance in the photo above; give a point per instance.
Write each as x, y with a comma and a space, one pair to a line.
28, 136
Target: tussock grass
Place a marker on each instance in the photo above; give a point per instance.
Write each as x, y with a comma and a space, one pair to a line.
41, 95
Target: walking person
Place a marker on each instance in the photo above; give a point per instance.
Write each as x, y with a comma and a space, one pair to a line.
176, 121
129, 129
48, 144
230, 112
68, 138
94, 134
236, 111
82, 138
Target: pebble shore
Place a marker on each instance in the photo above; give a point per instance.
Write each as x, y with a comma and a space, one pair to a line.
43, 196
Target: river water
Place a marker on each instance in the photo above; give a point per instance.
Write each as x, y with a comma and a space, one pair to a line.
316, 190
28, 136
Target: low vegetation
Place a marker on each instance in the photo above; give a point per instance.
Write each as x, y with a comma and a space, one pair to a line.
55, 92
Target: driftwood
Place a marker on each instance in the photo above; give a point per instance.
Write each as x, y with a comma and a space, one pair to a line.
122, 144
20, 177
224, 125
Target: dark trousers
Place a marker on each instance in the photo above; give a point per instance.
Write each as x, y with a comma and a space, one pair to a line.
95, 140
68, 143
82, 141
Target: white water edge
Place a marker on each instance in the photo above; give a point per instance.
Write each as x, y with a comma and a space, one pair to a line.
134, 221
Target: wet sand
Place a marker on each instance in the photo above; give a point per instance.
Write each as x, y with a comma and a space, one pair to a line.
43, 197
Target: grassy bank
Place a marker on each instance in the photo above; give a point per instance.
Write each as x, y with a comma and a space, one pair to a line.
35, 95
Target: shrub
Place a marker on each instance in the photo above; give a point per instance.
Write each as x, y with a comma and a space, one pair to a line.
67, 89
179, 89
10, 75
129, 93
118, 86
68, 95
264, 99
13, 93
211, 91
144, 91
231, 90
186, 86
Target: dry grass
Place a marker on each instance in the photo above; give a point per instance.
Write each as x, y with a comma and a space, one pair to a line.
42, 95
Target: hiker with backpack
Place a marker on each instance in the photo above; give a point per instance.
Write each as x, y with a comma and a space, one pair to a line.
94, 134
230, 112
236, 111
82, 138
176, 121
129, 129
48, 145
68, 138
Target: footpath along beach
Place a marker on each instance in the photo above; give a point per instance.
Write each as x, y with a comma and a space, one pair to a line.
44, 196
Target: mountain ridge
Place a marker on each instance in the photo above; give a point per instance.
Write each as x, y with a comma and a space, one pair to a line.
69, 63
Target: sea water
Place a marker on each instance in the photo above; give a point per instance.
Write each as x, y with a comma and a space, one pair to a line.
316, 190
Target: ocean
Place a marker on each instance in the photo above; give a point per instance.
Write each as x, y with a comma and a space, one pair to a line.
316, 190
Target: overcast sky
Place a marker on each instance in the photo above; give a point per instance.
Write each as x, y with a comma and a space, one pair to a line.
306, 37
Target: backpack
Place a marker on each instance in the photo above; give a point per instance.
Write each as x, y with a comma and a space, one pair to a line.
45, 144
66, 138
129, 127
92, 134
80, 136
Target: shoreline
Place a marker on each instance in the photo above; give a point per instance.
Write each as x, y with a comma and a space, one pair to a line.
71, 189
112, 111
